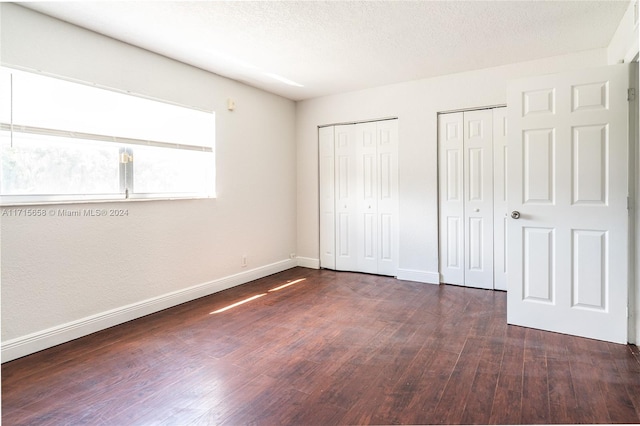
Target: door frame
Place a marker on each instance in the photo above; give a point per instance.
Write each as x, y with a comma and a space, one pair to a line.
633, 292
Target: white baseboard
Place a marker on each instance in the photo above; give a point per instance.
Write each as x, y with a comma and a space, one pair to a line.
34, 342
308, 262
419, 276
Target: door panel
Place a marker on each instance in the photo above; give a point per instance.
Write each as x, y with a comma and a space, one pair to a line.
345, 198
500, 157
568, 260
475, 244
538, 163
451, 200
387, 203
478, 190
589, 172
590, 284
367, 197
538, 277
327, 198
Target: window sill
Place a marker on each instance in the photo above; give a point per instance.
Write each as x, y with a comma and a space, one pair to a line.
113, 200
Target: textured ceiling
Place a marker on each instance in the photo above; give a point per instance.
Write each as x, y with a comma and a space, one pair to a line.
338, 46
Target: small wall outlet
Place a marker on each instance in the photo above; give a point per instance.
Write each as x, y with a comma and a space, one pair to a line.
292, 255
243, 261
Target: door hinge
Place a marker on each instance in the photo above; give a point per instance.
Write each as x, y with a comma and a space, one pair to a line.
631, 94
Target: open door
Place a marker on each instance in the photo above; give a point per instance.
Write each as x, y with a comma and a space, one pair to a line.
567, 197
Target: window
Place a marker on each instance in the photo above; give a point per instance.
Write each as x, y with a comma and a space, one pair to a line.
65, 141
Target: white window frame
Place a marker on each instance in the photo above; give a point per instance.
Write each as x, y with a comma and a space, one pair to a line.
127, 148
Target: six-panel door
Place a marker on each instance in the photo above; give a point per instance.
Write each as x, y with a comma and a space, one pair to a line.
568, 179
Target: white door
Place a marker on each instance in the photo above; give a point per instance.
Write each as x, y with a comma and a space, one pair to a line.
327, 197
451, 194
387, 137
345, 198
478, 191
500, 216
358, 172
367, 194
568, 182
466, 198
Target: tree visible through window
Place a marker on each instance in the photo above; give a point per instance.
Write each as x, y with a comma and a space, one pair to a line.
64, 141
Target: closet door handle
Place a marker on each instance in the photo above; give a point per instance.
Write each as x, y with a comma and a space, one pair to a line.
515, 214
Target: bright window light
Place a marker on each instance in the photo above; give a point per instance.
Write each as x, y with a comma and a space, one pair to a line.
50, 165
62, 141
172, 171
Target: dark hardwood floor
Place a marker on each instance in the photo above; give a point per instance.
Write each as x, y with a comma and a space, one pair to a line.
336, 348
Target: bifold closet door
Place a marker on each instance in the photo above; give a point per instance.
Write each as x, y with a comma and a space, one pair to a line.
500, 211
451, 194
327, 202
478, 191
387, 183
346, 202
466, 198
367, 197
358, 197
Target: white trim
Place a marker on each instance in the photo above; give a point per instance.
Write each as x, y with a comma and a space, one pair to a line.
419, 276
347, 123
308, 262
101, 86
34, 342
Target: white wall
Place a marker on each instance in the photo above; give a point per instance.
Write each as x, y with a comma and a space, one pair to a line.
416, 104
624, 44
63, 277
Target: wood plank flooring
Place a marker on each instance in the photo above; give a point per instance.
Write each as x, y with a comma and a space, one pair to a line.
335, 348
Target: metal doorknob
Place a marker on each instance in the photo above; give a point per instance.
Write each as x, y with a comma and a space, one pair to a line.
515, 214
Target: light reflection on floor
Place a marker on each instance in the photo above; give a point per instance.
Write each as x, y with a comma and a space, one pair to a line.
238, 303
226, 308
287, 285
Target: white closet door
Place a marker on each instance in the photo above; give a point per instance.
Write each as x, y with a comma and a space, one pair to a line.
500, 212
451, 194
367, 197
466, 188
387, 132
346, 200
327, 197
358, 197
478, 189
